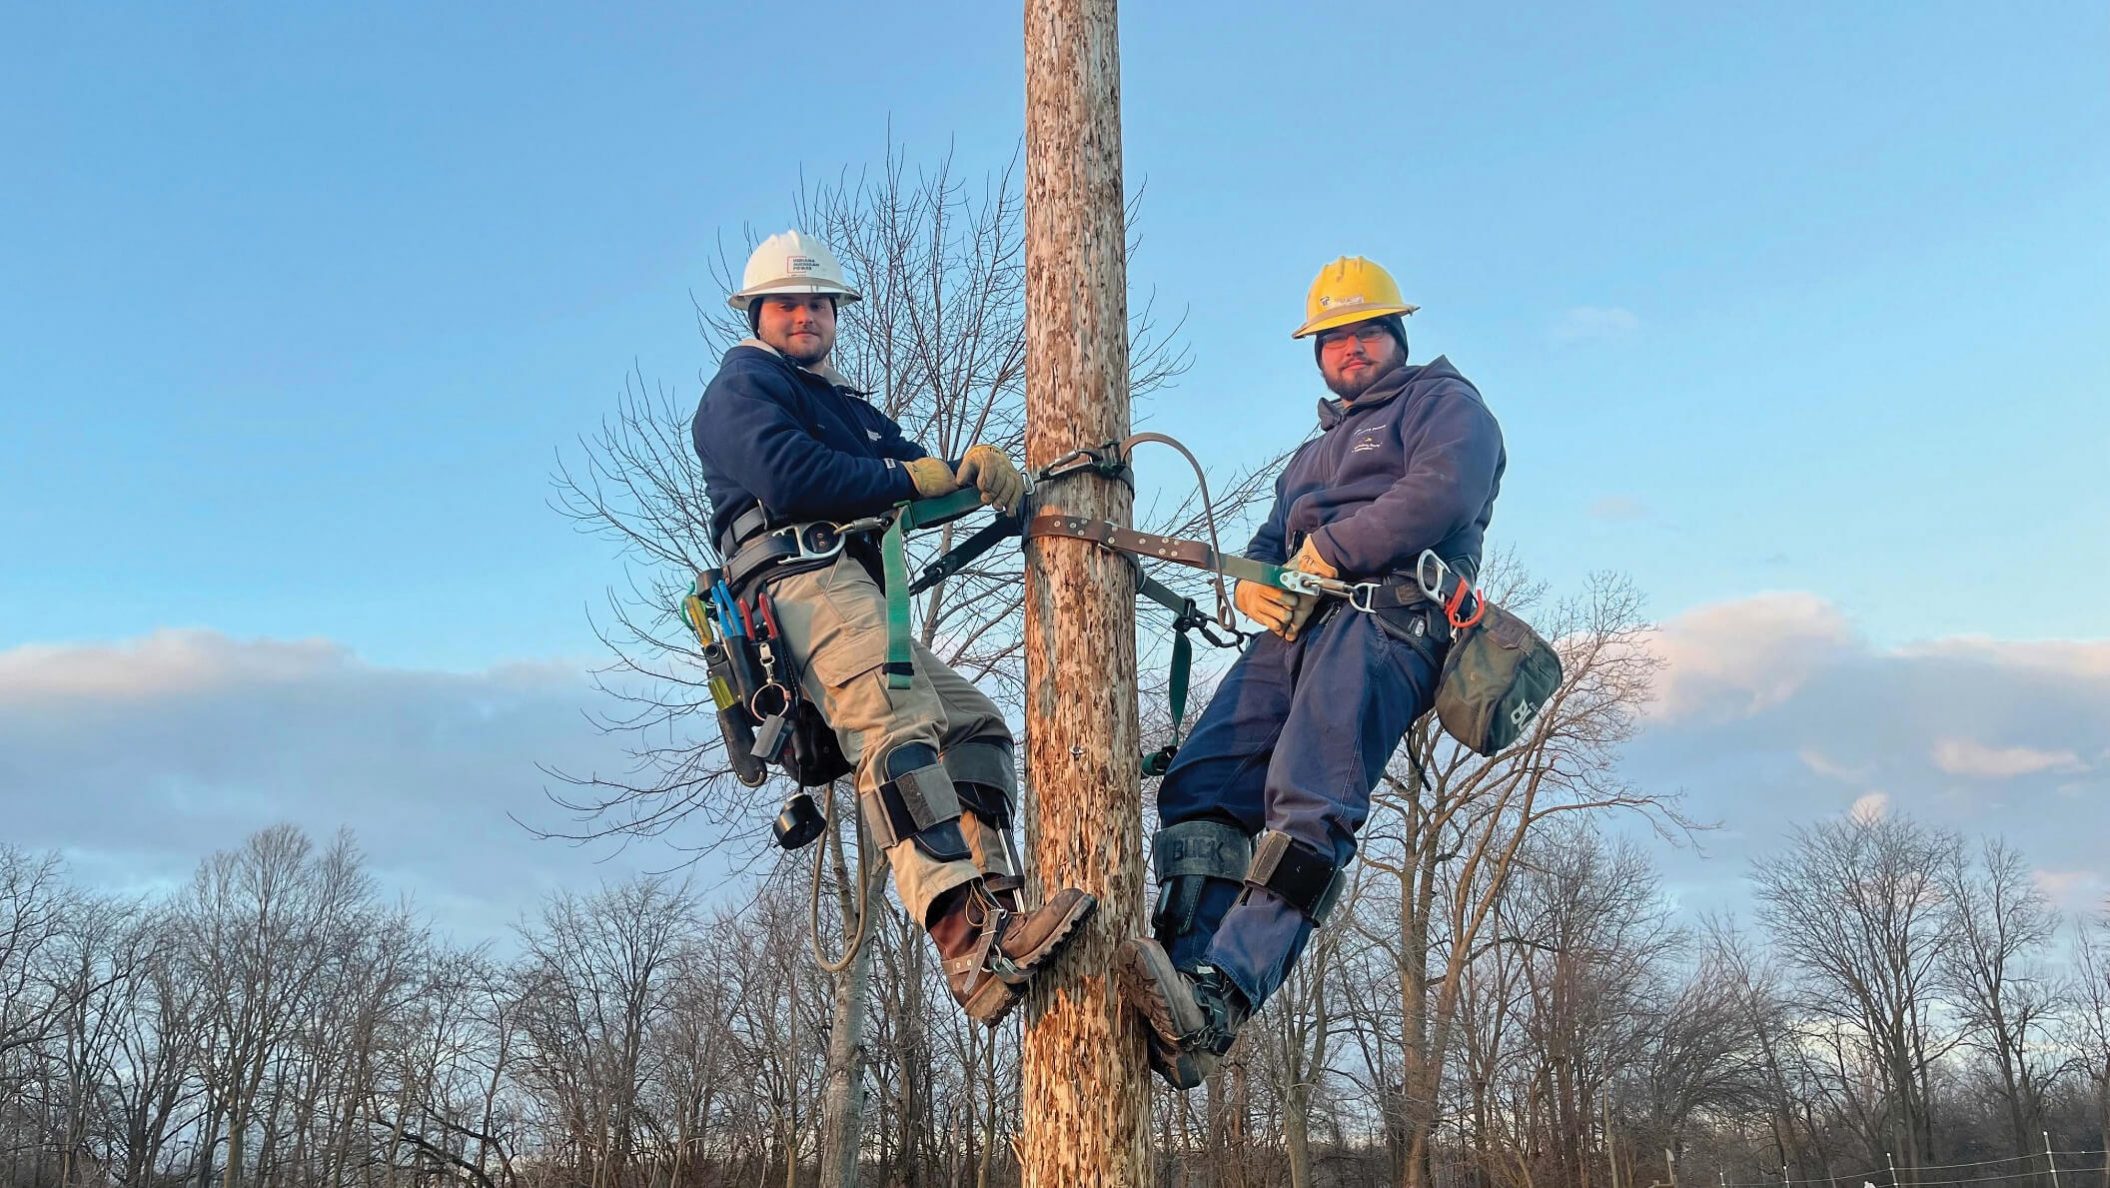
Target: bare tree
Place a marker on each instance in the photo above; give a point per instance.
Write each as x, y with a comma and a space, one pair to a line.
1595, 939
1701, 1053
33, 909
257, 930
1296, 1039
1447, 825
2089, 1033
2006, 999
160, 1041
103, 954
596, 980
1856, 907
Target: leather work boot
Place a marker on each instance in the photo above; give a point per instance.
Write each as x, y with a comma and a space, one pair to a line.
1190, 1018
992, 951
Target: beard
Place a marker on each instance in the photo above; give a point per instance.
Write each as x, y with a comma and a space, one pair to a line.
805, 352
1349, 389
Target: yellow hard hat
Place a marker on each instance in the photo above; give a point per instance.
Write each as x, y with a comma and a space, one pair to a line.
1351, 289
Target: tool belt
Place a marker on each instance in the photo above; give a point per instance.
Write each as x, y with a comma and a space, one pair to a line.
756, 550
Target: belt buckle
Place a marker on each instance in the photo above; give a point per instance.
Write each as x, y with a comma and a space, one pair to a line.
825, 540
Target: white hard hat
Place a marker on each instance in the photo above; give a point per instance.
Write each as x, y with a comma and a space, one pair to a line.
791, 262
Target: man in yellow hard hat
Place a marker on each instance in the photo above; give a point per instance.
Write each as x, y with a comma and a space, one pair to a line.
790, 449
1260, 809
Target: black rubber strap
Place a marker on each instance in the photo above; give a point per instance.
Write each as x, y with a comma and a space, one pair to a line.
746, 524
1305, 879
953, 560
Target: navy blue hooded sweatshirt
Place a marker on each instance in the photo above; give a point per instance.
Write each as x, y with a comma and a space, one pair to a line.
1413, 463
805, 445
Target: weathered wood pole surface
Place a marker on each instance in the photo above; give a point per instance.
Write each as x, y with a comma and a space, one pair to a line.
1086, 1116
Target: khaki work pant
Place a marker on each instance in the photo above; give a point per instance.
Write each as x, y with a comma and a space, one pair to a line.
835, 626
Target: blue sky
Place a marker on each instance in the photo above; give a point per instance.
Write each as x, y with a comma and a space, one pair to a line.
300, 305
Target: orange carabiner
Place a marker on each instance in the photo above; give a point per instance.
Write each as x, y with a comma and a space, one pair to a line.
1458, 596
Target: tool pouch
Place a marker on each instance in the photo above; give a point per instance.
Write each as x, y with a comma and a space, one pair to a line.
813, 756
1499, 674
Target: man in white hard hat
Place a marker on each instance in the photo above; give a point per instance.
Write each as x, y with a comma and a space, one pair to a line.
1260, 809
787, 442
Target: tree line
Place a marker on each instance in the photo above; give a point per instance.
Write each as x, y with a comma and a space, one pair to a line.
1903, 997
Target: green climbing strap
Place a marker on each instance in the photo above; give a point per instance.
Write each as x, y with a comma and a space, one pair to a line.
908, 517
1186, 617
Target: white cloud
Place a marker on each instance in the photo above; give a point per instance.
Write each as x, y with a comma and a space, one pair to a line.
1586, 323
1772, 707
1870, 808
167, 661
138, 758
2072, 890
1823, 765
1737, 658
1968, 757
2087, 660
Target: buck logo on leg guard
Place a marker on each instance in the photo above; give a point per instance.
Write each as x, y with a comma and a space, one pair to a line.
1192, 1009
1186, 857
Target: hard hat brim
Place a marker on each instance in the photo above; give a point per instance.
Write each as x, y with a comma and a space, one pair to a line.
843, 294
1349, 317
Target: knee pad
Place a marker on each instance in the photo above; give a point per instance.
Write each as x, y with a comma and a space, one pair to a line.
1303, 877
915, 801
1185, 857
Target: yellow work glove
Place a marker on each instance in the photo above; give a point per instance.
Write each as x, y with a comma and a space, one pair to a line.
1309, 561
1280, 611
989, 470
932, 477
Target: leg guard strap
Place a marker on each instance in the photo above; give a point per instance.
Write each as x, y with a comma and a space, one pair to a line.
1185, 857
916, 802
1303, 877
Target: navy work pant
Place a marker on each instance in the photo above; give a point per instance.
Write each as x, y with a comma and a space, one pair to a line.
1295, 739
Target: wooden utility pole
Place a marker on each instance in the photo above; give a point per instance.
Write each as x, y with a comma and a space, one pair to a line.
1086, 1115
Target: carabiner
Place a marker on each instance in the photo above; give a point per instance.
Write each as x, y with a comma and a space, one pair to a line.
1431, 588
1450, 609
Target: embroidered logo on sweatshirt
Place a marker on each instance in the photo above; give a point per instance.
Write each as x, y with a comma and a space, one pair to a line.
1366, 440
